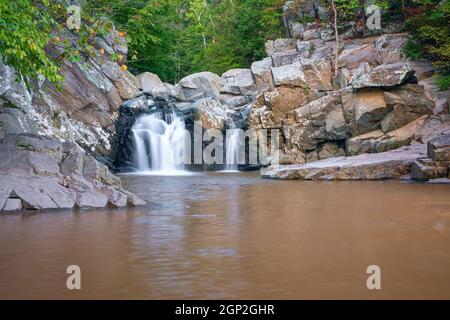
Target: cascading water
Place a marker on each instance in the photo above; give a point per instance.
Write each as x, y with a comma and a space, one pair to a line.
232, 152
159, 143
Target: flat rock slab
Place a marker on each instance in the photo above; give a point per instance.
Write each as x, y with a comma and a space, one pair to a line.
378, 166
35, 193
13, 205
5, 191
91, 199
439, 181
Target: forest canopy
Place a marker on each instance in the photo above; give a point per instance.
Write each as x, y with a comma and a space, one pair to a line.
174, 38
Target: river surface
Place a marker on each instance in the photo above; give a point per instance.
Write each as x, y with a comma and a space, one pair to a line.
236, 236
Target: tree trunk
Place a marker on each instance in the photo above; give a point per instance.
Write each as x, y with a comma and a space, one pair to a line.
336, 34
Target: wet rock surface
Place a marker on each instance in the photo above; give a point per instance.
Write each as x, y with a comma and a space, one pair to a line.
379, 166
40, 173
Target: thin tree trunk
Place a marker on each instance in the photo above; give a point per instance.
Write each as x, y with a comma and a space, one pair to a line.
336, 34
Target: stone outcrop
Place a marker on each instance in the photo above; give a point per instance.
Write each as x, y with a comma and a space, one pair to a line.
262, 73
53, 139
86, 106
238, 82
198, 86
369, 109
318, 121
437, 164
41, 173
378, 141
378, 101
379, 166
407, 104
385, 75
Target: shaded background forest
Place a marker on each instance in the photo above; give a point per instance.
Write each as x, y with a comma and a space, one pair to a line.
174, 38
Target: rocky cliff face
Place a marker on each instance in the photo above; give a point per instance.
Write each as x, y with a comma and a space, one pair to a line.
51, 140
376, 102
83, 111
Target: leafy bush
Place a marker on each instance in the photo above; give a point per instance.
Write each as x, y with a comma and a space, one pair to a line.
443, 81
431, 33
25, 32
413, 50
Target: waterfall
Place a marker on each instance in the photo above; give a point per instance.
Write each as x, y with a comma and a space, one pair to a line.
232, 152
159, 141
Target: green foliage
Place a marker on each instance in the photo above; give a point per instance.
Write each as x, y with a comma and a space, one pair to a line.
443, 81
35, 42
25, 31
413, 50
432, 34
174, 38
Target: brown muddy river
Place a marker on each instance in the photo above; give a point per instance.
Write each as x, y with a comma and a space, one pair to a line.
236, 236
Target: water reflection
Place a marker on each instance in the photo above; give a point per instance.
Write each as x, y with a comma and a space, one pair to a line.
237, 236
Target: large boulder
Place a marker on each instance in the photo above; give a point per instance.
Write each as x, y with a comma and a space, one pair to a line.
304, 49
369, 109
318, 74
439, 148
262, 73
356, 51
378, 141
285, 57
280, 45
96, 171
407, 103
198, 86
238, 81
318, 121
284, 99
22, 160
291, 75
151, 83
390, 47
73, 159
116, 198
439, 97
434, 126
211, 114
426, 169
15, 121
385, 75
127, 85
40, 193
12, 204
234, 101
91, 199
